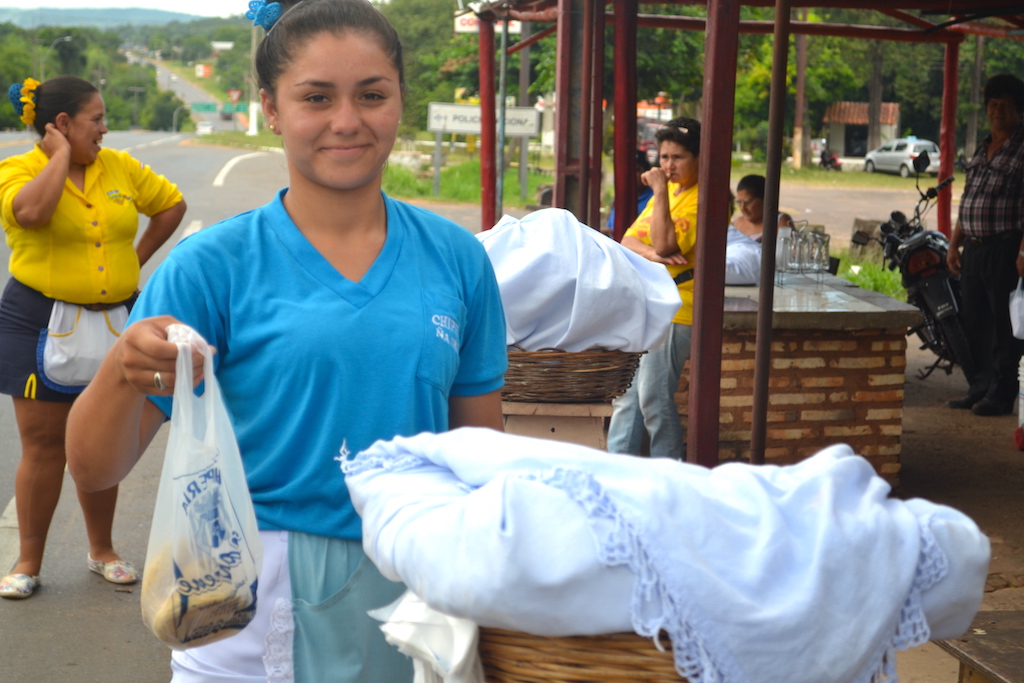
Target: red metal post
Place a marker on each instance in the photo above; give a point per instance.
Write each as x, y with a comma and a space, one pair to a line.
596, 145
564, 104
720, 45
624, 112
766, 298
585, 120
947, 132
488, 127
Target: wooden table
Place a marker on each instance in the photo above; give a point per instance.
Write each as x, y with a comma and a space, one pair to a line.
579, 423
992, 651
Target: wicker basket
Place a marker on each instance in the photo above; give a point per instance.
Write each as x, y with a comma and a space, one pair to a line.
595, 375
511, 657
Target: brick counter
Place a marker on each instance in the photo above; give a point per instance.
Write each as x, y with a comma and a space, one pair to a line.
837, 372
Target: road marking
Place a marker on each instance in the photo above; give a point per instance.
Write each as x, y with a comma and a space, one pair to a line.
154, 143
9, 518
219, 180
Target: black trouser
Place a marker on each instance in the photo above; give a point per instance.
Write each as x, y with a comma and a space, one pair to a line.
988, 275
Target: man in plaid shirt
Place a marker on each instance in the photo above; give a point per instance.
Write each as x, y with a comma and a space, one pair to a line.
990, 230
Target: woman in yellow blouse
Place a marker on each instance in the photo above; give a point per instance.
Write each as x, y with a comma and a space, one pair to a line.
70, 212
666, 233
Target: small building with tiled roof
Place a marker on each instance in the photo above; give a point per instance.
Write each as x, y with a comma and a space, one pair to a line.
848, 126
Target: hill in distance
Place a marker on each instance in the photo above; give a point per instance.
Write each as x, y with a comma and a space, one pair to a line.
93, 18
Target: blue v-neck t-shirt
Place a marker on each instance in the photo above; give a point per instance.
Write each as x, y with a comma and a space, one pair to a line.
314, 367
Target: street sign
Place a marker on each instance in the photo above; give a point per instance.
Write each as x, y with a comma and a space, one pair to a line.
468, 23
465, 118
234, 95
204, 106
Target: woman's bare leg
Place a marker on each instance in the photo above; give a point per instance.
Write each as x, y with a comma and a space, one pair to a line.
98, 510
39, 476
38, 482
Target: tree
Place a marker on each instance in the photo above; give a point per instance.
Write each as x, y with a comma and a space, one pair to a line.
426, 28
159, 113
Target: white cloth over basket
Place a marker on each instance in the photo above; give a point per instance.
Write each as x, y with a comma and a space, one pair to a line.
804, 573
567, 286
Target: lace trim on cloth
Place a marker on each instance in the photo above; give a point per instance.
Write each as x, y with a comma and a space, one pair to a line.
913, 630
619, 543
654, 608
278, 660
364, 463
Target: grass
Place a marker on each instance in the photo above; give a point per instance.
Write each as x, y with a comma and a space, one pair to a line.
815, 177
871, 275
238, 138
459, 183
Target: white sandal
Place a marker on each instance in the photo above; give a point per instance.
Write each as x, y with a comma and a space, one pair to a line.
18, 586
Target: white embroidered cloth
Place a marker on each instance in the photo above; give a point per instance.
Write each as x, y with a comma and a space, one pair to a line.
742, 258
443, 648
567, 286
805, 573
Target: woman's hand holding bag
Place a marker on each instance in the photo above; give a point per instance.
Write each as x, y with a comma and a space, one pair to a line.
204, 554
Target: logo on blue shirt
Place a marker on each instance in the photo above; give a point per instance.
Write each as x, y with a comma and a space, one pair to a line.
446, 328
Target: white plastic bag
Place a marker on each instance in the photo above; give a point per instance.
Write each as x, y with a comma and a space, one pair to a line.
1017, 309
204, 555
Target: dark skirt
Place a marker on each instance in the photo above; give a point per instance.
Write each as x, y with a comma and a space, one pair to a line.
24, 314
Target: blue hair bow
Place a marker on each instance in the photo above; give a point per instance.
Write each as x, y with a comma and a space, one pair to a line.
263, 14
14, 95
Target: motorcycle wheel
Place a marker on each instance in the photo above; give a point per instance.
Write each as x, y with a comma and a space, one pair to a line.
956, 344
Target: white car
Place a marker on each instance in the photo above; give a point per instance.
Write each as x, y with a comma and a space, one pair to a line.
897, 156
204, 128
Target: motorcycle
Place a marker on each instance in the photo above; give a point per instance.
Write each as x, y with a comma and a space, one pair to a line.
920, 255
830, 161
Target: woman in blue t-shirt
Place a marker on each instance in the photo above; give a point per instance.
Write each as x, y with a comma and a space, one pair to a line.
340, 316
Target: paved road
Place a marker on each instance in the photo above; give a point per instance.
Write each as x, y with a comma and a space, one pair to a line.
837, 208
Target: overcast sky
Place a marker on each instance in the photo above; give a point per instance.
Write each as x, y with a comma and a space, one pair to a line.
206, 8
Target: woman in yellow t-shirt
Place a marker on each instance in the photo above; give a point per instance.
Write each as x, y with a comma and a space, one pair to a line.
665, 233
70, 212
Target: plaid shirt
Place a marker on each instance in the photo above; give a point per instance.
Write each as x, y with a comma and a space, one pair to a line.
993, 199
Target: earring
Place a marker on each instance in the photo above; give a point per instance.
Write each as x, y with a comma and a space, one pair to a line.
272, 127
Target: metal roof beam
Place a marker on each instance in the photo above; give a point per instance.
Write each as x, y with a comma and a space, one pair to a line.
805, 27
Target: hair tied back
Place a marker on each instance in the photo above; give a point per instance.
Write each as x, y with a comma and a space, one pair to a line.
264, 14
23, 97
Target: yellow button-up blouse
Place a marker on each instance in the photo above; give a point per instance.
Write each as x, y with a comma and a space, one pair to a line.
682, 207
86, 253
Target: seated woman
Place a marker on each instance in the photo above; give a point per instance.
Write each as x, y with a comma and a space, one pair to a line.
743, 242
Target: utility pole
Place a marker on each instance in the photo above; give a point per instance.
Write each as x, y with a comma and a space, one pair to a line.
42, 62
254, 106
174, 119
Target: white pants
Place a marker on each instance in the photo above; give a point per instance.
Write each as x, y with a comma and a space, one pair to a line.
262, 651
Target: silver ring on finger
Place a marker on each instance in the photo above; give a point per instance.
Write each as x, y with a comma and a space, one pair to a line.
158, 382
